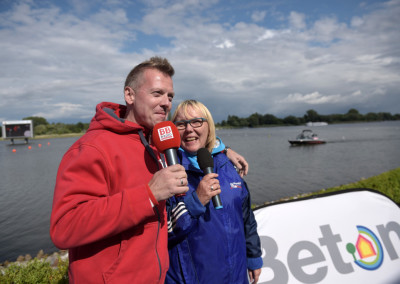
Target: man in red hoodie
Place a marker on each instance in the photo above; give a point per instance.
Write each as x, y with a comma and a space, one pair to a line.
109, 198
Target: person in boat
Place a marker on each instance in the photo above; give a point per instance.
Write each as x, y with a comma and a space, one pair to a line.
206, 244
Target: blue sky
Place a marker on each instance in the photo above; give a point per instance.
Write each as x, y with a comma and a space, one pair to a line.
281, 57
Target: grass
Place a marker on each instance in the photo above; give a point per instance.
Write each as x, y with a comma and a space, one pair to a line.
387, 183
47, 136
35, 271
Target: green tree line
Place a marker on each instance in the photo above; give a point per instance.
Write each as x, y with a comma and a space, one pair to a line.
42, 127
353, 115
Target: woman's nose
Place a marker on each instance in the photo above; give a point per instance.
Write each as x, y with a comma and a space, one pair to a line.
188, 127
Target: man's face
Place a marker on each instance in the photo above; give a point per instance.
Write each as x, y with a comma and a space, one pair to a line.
152, 101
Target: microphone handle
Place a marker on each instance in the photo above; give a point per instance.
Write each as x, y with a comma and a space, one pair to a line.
216, 200
172, 159
172, 156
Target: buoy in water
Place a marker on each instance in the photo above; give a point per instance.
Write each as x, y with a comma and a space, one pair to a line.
14, 150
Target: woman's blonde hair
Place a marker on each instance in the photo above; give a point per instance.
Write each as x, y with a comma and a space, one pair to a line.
198, 106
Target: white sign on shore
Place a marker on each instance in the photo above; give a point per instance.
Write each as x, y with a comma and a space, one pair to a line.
348, 237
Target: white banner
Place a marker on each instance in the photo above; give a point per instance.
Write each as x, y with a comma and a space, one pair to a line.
350, 237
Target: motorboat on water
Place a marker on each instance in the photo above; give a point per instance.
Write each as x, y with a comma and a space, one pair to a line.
307, 137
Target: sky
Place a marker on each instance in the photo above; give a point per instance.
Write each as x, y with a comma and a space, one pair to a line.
59, 59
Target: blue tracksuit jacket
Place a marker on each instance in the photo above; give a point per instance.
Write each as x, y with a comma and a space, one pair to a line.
208, 245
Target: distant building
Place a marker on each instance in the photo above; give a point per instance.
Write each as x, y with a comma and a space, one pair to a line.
17, 129
316, 123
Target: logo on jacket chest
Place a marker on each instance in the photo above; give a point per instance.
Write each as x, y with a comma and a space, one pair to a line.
236, 185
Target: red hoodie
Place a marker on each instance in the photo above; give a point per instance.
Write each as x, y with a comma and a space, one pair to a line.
101, 209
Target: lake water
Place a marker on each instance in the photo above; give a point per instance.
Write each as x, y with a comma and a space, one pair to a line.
277, 170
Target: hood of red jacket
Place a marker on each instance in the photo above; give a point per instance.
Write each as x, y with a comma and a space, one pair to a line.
110, 116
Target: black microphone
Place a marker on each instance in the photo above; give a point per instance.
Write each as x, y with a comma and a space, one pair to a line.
206, 164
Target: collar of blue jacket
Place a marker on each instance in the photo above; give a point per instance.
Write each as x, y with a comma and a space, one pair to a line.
218, 147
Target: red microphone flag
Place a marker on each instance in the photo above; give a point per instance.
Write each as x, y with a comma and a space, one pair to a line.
166, 136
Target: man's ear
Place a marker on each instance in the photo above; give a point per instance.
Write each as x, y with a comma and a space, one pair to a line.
129, 95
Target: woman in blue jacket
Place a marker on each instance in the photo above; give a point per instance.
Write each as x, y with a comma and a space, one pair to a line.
209, 245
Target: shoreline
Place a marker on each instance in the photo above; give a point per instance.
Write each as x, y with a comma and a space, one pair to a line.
52, 259
388, 181
218, 127
45, 136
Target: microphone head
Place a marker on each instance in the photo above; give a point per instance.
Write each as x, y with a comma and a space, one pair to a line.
166, 136
204, 159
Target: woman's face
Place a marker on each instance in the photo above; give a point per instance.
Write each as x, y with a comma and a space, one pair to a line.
192, 139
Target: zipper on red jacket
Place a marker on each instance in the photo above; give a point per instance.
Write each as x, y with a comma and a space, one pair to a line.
153, 155
158, 231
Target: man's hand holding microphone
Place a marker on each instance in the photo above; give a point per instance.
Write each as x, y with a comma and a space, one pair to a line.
171, 180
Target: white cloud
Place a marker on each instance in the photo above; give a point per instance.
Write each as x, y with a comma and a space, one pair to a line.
67, 110
314, 98
268, 34
258, 16
297, 20
328, 29
61, 64
356, 22
226, 44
